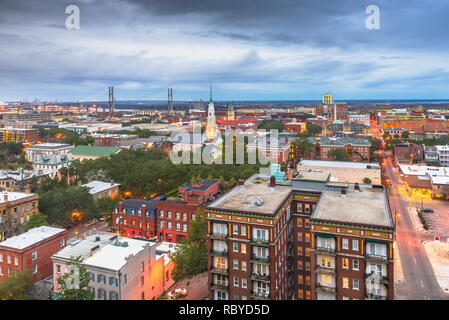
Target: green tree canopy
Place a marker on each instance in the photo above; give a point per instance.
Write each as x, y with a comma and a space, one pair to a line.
15, 285
190, 258
73, 284
313, 129
305, 146
338, 155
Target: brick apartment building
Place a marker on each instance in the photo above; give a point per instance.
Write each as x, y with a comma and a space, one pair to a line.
19, 135
136, 218
16, 209
405, 153
357, 149
296, 127
282, 243
32, 251
174, 217
166, 220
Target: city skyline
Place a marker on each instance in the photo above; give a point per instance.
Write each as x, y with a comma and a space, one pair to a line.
250, 51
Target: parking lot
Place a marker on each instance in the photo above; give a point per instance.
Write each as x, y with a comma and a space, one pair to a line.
438, 220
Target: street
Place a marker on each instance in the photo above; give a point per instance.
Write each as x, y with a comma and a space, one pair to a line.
419, 282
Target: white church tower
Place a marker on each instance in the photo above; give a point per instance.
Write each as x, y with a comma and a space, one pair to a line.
211, 126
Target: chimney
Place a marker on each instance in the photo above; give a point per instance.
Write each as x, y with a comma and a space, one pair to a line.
272, 182
144, 209
241, 182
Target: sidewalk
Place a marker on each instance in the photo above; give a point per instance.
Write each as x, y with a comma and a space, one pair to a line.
398, 273
438, 254
415, 219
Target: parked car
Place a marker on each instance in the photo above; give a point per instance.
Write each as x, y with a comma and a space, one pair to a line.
426, 210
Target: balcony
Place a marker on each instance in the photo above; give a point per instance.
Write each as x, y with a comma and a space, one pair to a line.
326, 289
323, 269
260, 294
219, 236
375, 296
219, 253
260, 242
223, 286
255, 258
370, 276
376, 257
219, 270
260, 277
325, 250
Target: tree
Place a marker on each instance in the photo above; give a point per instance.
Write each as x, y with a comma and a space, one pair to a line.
305, 146
366, 180
15, 285
271, 124
338, 155
313, 129
73, 284
190, 258
37, 220
405, 135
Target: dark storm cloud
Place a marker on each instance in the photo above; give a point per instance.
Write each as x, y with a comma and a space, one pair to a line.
266, 45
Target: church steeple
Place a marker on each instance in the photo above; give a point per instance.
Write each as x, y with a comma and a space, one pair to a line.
210, 100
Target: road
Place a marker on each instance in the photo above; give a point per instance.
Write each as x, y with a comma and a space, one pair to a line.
419, 279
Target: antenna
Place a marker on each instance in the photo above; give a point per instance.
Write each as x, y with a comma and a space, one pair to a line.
170, 100
111, 101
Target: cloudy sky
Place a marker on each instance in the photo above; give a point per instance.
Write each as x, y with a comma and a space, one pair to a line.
249, 50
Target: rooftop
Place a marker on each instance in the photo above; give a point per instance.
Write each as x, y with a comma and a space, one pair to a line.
84, 247
113, 256
99, 186
13, 196
94, 151
367, 207
31, 237
326, 141
50, 146
254, 196
339, 164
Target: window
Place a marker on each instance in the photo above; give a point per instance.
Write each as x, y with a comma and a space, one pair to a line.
142, 280
1, 257
344, 244
307, 222
236, 281
184, 227
184, 216
244, 283
168, 214
355, 284
243, 230
244, 298
355, 245
58, 268
299, 210
161, 214
307, 237
142, 266
307, 266
355, 265
308, 280
300, 279
235, 229
299, 251
307, 252
260, 234
243, 265
243, 248
113, 281
236, 264
308, 294
1, 271
220, 263
345, 263
220, 228
178, 226
16, 261
8, 259
62, 242
168, 225
124, 279
113, 295
345, 283
300, 264
177, 215
300, 293
34, 255
34, 269
142, 296
162, 224
307, 207
299, 236
235, 247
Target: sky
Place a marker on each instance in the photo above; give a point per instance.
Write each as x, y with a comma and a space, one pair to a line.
248, 50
